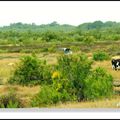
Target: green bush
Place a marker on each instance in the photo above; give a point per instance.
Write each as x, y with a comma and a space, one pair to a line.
30, 70
47, 71
98, 84
63, 86
73, 80
74, 69
100, 56
10, 100
67, 81
48, 95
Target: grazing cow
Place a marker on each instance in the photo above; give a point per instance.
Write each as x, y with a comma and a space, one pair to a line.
115, 64
67, 51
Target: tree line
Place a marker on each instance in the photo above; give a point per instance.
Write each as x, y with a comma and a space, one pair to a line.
54, 32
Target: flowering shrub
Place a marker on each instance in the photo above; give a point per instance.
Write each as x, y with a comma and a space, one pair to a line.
55, 74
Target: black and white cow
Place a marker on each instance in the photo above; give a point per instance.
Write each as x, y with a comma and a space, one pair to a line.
67, 51
115, 64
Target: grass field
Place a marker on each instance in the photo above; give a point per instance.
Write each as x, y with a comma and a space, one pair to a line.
6, 70
111, 103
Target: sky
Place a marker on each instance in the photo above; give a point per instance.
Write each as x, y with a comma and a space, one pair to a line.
64, 12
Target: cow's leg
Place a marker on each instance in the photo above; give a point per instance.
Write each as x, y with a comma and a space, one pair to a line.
117, 66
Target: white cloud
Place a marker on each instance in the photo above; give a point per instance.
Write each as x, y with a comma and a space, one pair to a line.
69, 12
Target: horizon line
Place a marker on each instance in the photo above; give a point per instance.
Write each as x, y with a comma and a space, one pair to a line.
5, 25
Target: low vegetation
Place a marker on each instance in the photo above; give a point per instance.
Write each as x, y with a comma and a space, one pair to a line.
84, 76
99, 84
10, 100
100, 56
31, 71
74, 80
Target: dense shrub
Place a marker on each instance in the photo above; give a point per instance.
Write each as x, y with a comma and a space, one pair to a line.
100, 56
46, 73
31, 70
74, 69
10, 100
67, 81
64, 87
98, 84
74, 80
48, 95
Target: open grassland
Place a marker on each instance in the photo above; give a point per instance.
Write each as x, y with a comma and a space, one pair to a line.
107, 65
25, 93
8, 62
107, 103
6, 69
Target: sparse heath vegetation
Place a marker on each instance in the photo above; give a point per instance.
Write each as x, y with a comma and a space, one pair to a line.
33, 63
100, 56
10, 100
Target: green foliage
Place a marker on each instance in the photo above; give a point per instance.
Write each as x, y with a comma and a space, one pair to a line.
24, 34
50, 36
75, 48
3, 51
89, 40
75, 69
10, 100
52, 49
46, 73
30, 71
96, 25
44, 50
100, 56
73, 80
46, 96
98, 84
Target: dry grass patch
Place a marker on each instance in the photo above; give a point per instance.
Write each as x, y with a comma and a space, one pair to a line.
21, 90
6, 69
107, 103
24, 92
107, 65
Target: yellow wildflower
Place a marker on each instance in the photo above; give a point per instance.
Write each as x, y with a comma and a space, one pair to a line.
55, 74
